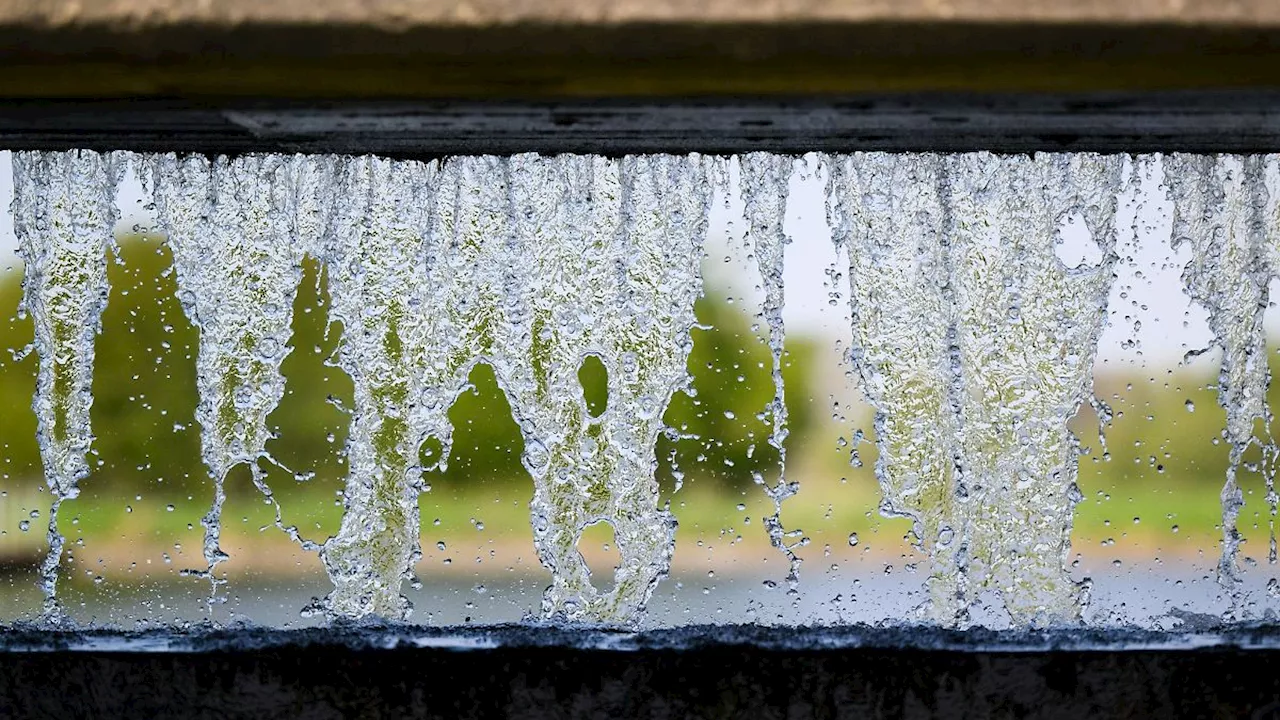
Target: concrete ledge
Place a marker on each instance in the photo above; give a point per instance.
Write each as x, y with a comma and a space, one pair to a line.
578, 48
399, 15
1217, 121
720, 672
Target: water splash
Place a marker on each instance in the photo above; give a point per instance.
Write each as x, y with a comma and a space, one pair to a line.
765, 184
971, 338
887, 214
1220, 209
1028, 331
403, 351
64, 215
238, 253
612, 250
975, 345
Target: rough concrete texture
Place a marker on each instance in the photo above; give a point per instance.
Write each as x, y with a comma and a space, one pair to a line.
1214, 121
636, 48
407, 14
705, 672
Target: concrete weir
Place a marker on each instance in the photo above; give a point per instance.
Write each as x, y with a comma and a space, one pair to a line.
428, 79
636, 48
709, 671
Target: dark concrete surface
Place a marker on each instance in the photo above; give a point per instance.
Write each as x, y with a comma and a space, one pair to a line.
689, 50
1208, 121
709, 672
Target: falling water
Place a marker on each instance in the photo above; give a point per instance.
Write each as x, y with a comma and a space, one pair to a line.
64, 211
532, 265
972, 340
612, 251
902, 301
1223, 211
1027, 331
765, 181
975, 345
230, 225
404, 344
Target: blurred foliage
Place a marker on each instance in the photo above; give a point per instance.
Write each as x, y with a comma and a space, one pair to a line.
145, 395
1162, 466
724, 419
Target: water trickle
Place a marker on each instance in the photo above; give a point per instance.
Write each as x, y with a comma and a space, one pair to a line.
971, 338
64, 216
765, 184
232, 226
609, 254
1222, 209
975, 345
409, 331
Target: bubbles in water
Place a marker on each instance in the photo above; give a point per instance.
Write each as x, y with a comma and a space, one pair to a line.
64, 215
971, 338
974, 343
602, 260
233, 227
1222, 210
407, 343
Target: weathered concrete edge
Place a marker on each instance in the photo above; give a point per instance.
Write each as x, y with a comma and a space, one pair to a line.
1208, 121
709, 671
402, 14
1212, 635
645, 59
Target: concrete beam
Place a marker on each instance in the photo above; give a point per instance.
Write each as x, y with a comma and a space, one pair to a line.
636, 48
1220, 121
402, 15
720, 671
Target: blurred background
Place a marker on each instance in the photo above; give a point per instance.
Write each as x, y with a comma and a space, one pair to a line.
1147, 533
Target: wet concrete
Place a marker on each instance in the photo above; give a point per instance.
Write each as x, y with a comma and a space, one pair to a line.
599, 48
711, 672
1208, 121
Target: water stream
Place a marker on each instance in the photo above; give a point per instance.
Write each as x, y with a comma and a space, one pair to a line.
970, 337
64, 216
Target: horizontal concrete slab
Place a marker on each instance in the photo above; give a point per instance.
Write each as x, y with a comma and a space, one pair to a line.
596, 48
1198, 122
406, 14
727, 672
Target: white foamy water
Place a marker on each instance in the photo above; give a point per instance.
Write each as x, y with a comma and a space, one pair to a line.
970, 335
975, 344
612, 249
237, 249
1222, 209
64, 214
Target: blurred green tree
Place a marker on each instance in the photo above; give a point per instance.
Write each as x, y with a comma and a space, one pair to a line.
145, 394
